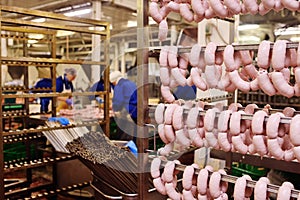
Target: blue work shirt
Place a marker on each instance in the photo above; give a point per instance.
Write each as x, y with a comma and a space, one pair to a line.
125, 96
61, 82
44, 101
98, 87
185, 92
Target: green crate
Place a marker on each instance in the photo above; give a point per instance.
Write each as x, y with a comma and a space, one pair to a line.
17, 151
240, 169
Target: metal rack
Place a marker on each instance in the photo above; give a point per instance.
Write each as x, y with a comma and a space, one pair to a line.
16, 24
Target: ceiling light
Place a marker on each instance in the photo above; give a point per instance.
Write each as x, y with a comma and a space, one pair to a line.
32, 41
131, 23
40, 20
78, 12
247, 27
295, 39
287, 31
61, 33
35, 36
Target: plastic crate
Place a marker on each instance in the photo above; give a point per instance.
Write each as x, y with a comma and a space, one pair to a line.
17, 151
240, 169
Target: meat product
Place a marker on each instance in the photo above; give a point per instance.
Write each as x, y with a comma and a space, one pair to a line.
163, 30
224, 82
251, 71
159, 113
185, 12
195, 53
171, 192
275, 149
166, 149
169, 133
242, 85
245, 57
239, 145
164, 76
229, 59
155, 165
239, 188
169, 171
202, 180
223, 184
197, 79
294, 130
273, 125
214, 184
174, 7
251, 6
209, 119
265, 83
168, 115
163, 56
297, 74
234, 6
260, 145
278, 6
292, 5
187, 177
160, 186
161, 133
209, 13
263, 60
202, 197
166, 94
192, 118
218, 8
260, 189
223, 120
183, 61
195, 137
279, 53
211, 74
219, 58
296, 150
164, 11
298, 56
281, 85
197, 7
172, 56
262, 9
179, 78
286, 74
249, 109
154, 12
284, 192
188, 195
235, 123
182, 139
288, 111
209, 54
223, 141
270, 4
292, 55
211, 140
248, 190
289, 155
297, 89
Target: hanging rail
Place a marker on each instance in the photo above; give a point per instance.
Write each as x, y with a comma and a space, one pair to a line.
232, 179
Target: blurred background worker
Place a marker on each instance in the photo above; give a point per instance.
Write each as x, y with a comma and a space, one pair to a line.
124, 104
98, 87
44, 101
64, 85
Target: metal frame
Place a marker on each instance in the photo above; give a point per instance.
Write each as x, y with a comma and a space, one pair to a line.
11, 21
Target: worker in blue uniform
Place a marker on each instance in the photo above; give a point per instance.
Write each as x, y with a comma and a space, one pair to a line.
98, 87
64, 85
124, 104
44, 101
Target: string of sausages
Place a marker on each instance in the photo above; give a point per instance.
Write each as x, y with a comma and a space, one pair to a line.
262, 135
197, 10
272, 73
204, 184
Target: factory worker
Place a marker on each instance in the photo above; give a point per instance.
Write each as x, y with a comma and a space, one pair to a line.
44, 101
98, 87
64, 85
124, 103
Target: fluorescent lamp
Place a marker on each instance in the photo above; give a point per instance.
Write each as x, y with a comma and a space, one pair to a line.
61, 33
78, 12
295, 39
35, 36
32, 41
247, 27
40, 20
